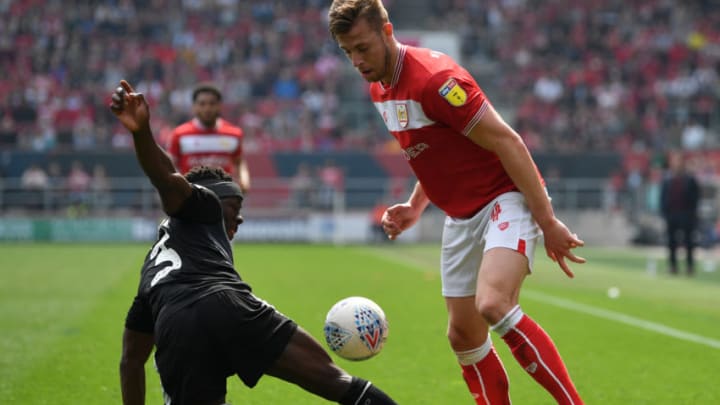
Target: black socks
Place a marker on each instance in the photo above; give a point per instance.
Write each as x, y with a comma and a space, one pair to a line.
362, 392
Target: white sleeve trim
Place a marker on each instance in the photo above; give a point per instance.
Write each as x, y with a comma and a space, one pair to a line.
476, 118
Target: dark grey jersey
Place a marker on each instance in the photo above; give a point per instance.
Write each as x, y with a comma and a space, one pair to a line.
191, 259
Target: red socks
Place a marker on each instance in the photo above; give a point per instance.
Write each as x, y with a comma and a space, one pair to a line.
486, 379
537, 354
534, 350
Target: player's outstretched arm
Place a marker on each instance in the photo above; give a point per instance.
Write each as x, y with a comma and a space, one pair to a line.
493, 134
133, 112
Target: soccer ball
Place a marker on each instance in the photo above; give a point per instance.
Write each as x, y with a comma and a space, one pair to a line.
356, 328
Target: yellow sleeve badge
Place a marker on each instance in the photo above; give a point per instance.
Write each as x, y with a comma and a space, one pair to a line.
453, 93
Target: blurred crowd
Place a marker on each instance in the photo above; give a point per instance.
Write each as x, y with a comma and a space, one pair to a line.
570, 75
61, 59
600, 75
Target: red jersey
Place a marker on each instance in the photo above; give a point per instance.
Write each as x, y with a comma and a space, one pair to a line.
430, 107
191, 144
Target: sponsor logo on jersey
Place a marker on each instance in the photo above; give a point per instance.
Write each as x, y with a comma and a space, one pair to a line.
414, 151
453, 93
209, 143
402, 114
209, 160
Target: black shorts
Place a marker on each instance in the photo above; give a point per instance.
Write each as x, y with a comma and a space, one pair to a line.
226, 333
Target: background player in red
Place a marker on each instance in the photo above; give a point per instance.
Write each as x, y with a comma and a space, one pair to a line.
476, 168
208, 140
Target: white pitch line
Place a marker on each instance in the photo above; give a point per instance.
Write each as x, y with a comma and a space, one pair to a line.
578, 307
622, 318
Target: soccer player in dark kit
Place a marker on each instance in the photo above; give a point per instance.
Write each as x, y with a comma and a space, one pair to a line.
191, 304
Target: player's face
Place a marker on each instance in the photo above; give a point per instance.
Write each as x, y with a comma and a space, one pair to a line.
368, 50
231, 214
206, 108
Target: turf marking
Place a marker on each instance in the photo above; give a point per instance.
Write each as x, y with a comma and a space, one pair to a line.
572, 305
621, 318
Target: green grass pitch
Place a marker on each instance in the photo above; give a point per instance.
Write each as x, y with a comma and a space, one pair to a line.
62, 308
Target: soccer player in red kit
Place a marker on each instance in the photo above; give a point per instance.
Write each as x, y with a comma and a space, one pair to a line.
476, 168
208, 140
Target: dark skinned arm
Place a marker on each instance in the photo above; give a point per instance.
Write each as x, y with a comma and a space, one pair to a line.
133, 112
136, 349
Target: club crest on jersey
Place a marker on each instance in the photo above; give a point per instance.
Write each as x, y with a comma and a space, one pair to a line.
402, 114
453, 93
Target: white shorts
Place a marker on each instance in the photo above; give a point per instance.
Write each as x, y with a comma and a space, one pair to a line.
504, 222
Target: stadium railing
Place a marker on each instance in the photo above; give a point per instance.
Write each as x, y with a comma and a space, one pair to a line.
135, 195
274, 205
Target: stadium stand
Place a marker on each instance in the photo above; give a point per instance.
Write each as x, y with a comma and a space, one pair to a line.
577, 75
618, 79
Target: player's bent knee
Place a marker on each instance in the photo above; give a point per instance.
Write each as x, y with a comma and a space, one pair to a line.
491, 309
463, 338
